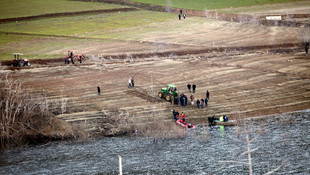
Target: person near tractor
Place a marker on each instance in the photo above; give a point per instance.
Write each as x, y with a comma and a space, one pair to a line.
80, 57
70, 56
189, 87
194, 87
179, 101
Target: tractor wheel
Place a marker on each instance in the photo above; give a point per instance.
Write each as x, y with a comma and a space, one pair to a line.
28, 64
15, 64
160, 95
21, 63
168, 97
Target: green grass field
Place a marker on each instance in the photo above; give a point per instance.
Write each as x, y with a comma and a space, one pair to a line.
133, 25
210, 4
104, 26
21, 8
87, 25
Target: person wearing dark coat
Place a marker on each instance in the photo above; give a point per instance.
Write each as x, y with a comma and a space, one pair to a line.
132, 82
194, 87
185, 98
198, 103
201, 103
207, 94
98, 89
206, 102
189, 87
175, 114
179, 16
306, 48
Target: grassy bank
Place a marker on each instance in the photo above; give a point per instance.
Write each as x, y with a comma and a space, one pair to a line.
37, 47
94, 26
211, 4
86, 25
22, 8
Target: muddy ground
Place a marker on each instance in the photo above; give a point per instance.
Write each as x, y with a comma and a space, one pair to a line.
241, 84
249, 70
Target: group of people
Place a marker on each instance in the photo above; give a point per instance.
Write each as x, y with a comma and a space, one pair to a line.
181, 14
182, 99
131, 82
189, 87
200, 103
212, 119
176, 115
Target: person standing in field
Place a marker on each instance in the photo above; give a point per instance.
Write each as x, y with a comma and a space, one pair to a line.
207, 94
129, 82
98, 89
194, 87
201, 103
179, 16
132, 82
306, 48
198, 103
192, 99
189, 86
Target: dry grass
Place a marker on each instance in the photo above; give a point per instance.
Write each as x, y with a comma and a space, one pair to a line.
25, 118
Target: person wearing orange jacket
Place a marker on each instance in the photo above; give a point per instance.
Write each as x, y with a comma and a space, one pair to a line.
183, 117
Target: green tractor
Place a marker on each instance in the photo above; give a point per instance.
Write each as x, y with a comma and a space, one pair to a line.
169, 93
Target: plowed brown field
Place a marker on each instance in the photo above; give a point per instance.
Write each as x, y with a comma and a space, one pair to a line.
249, 70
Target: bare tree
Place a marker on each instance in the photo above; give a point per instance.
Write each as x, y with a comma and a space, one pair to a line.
18, 110
246, 132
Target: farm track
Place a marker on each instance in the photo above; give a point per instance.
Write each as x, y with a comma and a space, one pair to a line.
52, 15
276, 48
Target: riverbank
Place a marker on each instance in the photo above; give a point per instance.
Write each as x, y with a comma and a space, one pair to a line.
278, 146
249, 69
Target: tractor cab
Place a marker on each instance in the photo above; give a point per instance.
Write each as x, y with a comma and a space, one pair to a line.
17, 56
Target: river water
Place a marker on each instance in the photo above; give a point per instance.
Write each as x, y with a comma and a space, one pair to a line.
280, 143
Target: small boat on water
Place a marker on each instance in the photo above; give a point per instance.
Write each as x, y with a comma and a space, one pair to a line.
225, 123
223, 120
184, 124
